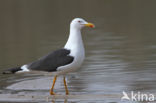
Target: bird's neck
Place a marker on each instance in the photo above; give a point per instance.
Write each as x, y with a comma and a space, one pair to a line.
75, 39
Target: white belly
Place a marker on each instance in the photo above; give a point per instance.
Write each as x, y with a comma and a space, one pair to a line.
77, 62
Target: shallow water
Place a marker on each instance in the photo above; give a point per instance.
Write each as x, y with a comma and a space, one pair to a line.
120, 51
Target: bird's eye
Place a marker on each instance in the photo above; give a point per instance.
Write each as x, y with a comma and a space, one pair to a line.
79, 21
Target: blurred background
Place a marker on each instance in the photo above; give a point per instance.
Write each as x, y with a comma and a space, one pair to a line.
120, 51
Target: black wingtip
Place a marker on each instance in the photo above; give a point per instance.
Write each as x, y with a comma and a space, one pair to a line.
7, 72
12, 70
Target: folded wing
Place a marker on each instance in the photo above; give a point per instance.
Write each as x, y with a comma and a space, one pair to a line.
52, 61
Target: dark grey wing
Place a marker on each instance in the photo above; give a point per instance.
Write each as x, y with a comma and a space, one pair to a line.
52, 61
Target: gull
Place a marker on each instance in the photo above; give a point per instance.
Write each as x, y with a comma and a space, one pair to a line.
62, 61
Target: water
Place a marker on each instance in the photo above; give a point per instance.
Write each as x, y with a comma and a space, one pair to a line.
120, 51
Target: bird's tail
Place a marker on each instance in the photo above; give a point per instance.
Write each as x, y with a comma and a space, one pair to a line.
12, 70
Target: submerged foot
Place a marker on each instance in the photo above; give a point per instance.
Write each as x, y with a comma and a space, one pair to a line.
67, 93
52, 93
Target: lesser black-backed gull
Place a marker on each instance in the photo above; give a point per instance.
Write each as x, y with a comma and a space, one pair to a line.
61, 61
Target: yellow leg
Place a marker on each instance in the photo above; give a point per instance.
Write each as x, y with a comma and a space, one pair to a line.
65, 85
51, 90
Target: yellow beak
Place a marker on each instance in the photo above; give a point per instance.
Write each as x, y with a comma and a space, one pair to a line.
90, 25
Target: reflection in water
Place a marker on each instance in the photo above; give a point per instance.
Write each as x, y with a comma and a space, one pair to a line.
76, 84
65, 101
